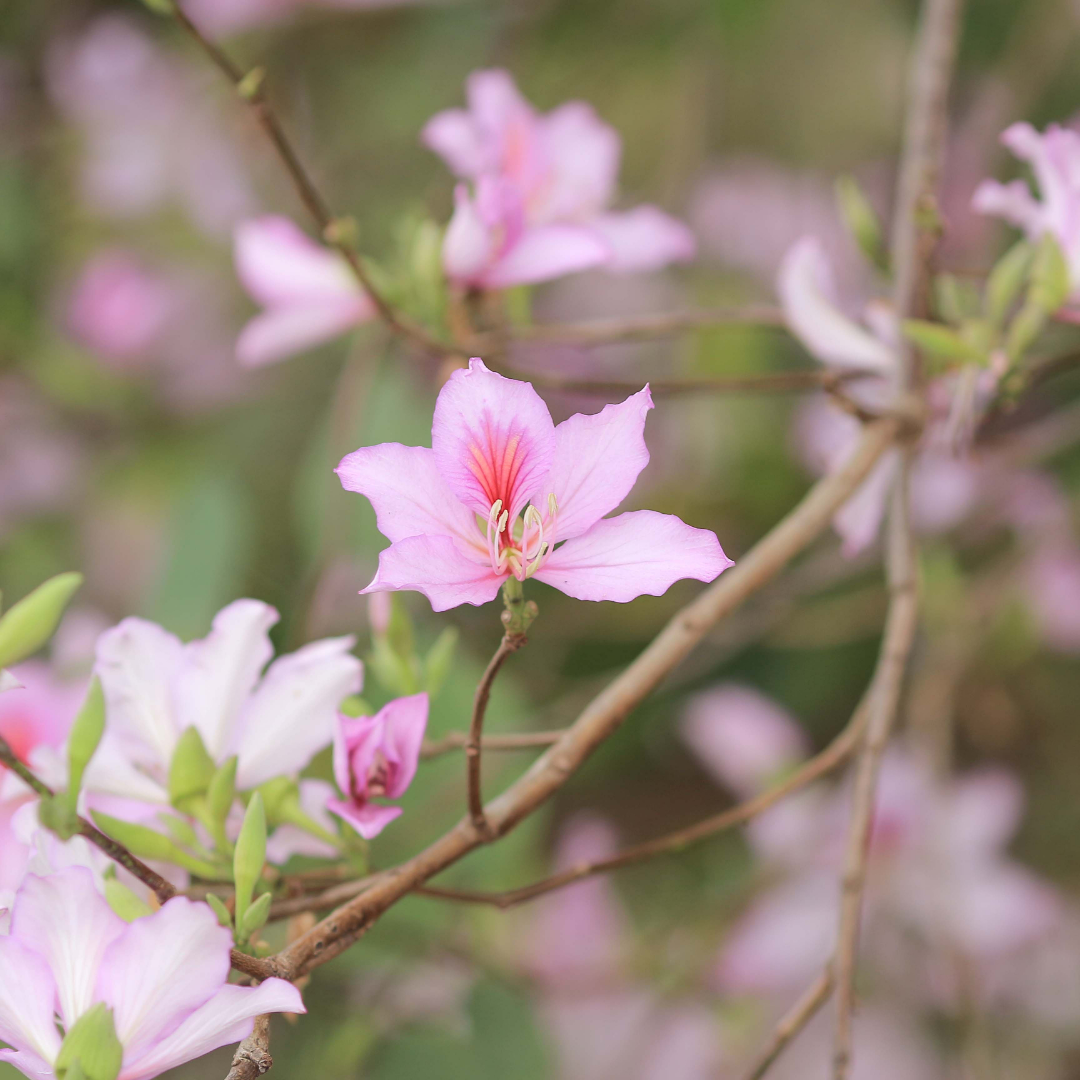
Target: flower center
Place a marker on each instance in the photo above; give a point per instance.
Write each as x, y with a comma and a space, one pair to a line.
378, 777
520, 547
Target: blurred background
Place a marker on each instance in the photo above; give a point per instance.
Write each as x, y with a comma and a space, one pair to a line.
134, 448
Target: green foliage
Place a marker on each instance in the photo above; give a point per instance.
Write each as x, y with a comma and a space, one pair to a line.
27, 625
91, 1048
250, 855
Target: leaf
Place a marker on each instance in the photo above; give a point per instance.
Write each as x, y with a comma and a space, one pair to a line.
146, 843
250, 855
85, 736
940, 341
1006, 280
190, 770
438, 660
92, 1043
861, 220
1049, 276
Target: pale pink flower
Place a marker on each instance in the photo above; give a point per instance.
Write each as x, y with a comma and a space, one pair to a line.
119, 307
220, 17
542, 186
1054, 157
376, 757
155, 686
452, 512
943, 485
1052, 577
39, 712
165, 978
308, 292
742, 737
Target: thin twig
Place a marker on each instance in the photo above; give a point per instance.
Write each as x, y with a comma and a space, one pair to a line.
252, 1057
162, 889
602, 716
457, 740
915, 233
793, 1021
834, 755
331, 228
509, 644
597, 332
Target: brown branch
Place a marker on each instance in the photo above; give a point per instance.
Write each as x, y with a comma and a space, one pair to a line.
252, 1057
456, 740
331, 228
510, 643
602, 716
792, 1022
834, 755
597, 332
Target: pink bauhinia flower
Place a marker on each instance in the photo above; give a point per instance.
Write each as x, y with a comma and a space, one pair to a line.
308, 292
1054, 157
502, 487
163, 977
376, 757
542, 185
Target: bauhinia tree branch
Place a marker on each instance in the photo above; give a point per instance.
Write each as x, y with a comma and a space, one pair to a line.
456, 740
252, 1057
793, 1021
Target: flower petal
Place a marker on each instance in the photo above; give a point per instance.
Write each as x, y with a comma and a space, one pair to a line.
581, 158
291, 715
455, 137
136, 662
280, 265
638, 553
226, 1018
368, 819
1013, 202
281, 332
69, 923
808, 296
544, 252
220, 671
405, 721
440, 568
27, 1001
470, 244
493, 439
598, 458
408, 495
162, 968
644, 238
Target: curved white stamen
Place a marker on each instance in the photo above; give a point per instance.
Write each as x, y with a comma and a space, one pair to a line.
493, 533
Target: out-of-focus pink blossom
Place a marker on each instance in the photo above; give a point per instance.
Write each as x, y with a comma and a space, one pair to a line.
150, 138
308, 293
943, 485
542, 186
119, 307
39, 713
742, 737
1052, 577
164, 977
496, 454
375, 757
156, 687
1054, 157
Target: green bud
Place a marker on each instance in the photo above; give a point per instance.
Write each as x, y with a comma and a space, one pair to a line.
250, 85
83, 741
255, 917
179, 830
30, 623
220, 910
939, 341
222, 792
124, 902
399, 633
1006, 280
250, 855
190, 770
397, 672
861, 220
276, 795
355, 705
438, 660
147, 843
1049, 276
57, 814
91, 1045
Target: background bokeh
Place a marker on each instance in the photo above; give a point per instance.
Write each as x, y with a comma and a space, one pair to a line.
135, 449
